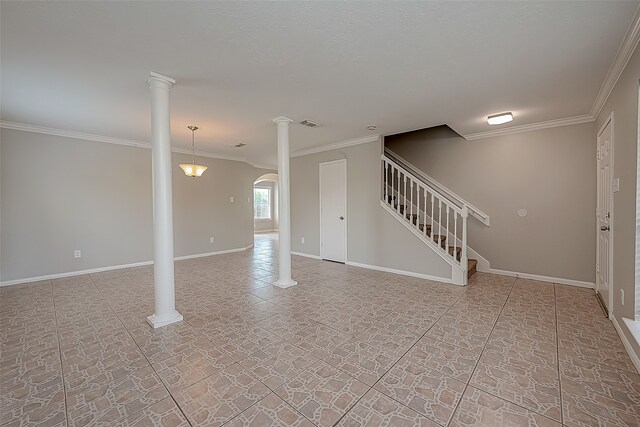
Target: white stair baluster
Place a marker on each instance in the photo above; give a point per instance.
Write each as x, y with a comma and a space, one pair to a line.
404, 199
439, 221
386, 181
463, 259
446, 231
455, 235
398, 193
411, 200
433, 212
424, 217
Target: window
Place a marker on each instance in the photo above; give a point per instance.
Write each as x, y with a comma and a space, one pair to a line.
262, 203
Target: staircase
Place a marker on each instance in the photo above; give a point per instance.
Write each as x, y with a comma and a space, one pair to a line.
439, 222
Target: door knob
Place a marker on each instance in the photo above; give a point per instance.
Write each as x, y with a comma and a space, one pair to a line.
604, 228
341, 218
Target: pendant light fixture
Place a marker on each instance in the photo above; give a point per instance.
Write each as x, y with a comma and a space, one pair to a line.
191, 169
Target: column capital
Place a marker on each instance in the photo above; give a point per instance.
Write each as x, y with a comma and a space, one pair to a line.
282, 119
159, 78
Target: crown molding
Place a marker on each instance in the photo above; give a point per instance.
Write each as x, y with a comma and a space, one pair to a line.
261, 166
72, 134
108, 140
585, 118
337, 145
628, 46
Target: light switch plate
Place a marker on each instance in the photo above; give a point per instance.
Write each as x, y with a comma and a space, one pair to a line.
616, 185
231, 199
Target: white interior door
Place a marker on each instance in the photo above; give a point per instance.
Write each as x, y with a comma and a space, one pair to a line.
333, 210
604, 208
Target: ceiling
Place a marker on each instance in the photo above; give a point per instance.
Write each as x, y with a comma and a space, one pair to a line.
82, 66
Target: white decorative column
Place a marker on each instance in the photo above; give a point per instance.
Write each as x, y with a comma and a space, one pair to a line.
163, 275
284, 227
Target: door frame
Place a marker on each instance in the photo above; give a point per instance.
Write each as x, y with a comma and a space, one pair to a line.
609, 119
346, 258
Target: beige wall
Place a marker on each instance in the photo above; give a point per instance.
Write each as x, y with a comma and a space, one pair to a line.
623, 103
60, 194
374, 237
550, 173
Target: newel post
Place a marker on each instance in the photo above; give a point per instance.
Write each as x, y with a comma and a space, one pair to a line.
464, 260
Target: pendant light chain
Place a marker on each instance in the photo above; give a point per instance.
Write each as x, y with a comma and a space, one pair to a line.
193, 145
192, 169
193, 130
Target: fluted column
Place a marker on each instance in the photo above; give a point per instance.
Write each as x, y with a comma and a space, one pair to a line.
163, 273
284, 226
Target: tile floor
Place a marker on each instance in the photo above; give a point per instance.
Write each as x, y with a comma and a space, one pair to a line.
346, 347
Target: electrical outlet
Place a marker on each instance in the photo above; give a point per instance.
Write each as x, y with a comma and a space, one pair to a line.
212, 239
77, 253
622, 296
231, 199
302, 240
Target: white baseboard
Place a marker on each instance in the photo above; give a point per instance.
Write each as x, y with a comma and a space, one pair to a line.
202, 255
113, 267
627, 345
557, 280
305, 255
401, 272
385, 269
73, 273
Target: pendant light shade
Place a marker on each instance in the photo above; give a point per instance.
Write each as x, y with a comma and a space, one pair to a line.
191, 169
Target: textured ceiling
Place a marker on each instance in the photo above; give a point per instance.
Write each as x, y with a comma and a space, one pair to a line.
82, 66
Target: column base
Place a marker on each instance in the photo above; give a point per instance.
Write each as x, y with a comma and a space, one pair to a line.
159, 321
285, 283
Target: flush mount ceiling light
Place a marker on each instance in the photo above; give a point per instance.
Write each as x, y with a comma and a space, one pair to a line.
499, 119
191, 169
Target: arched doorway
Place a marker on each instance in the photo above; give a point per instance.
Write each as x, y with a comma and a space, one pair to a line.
265, 204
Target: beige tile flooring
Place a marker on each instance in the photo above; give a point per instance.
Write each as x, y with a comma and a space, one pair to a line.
347, 346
